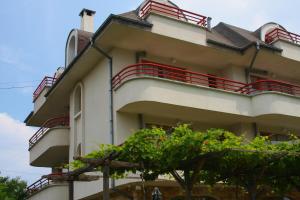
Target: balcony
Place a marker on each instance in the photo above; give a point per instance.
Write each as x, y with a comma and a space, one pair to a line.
49, 146
41, 90
173, 22
289, 42
280, 34
175, 92
173, 12
195, 78
45, 188
271, 86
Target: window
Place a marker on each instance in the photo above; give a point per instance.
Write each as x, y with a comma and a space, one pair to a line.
71, 50
166, 71
71, 47
275, 137
77, 100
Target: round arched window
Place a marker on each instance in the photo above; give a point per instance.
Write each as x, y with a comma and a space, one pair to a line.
71, 49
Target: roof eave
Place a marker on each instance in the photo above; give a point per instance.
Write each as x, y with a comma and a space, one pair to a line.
111, 18
242, 49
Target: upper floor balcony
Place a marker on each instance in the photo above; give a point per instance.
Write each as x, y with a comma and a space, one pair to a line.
39, 94
171, 21
155, 88
287, 41
45, 188
49, 146
173, 12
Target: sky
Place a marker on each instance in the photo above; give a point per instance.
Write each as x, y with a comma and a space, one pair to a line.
33, 34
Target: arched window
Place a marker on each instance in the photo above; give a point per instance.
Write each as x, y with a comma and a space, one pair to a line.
77, 100
71, 49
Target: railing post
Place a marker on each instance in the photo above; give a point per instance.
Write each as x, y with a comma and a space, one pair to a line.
71, 190
106, 182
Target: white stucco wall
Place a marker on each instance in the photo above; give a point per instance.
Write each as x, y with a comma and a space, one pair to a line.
184, 95
40, 100
275, 103
53, 192
234, 73
95, 114
95, 108
290, 50
177, 29
54, 141
170, 92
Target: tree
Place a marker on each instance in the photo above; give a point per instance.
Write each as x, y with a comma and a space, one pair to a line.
183, 153
212, 156
12, 189
260, 166
188, 152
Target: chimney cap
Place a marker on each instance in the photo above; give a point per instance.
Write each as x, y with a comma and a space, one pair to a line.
87, 11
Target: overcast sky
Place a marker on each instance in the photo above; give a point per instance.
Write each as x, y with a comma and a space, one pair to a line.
32, 43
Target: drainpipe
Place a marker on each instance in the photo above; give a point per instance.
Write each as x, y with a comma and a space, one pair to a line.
248, 70
111, 100
248, 80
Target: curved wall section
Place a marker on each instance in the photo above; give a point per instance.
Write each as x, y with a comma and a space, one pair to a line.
143, 93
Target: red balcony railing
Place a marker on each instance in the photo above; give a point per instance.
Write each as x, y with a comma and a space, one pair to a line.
271, 85
280, 34
40, 184
46, 82
141, 70
51, 123
177, 74
175, 12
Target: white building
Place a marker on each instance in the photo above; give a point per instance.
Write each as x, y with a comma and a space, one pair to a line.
160, 65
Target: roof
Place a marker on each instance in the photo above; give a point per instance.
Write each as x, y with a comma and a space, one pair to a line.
83, 39
222, 34
236, 37
131, 15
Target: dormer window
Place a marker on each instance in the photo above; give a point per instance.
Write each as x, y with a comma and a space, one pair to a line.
79, 38
72, 51
71, 47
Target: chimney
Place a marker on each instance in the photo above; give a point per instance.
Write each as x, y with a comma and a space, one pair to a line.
87, 20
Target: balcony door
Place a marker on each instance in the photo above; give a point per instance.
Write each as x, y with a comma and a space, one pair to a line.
165, 71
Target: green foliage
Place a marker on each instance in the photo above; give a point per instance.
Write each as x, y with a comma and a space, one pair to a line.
260, 165
209, 157
144, 147
185, 145
12, 189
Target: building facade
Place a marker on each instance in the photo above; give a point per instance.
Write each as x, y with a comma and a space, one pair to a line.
160, 65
